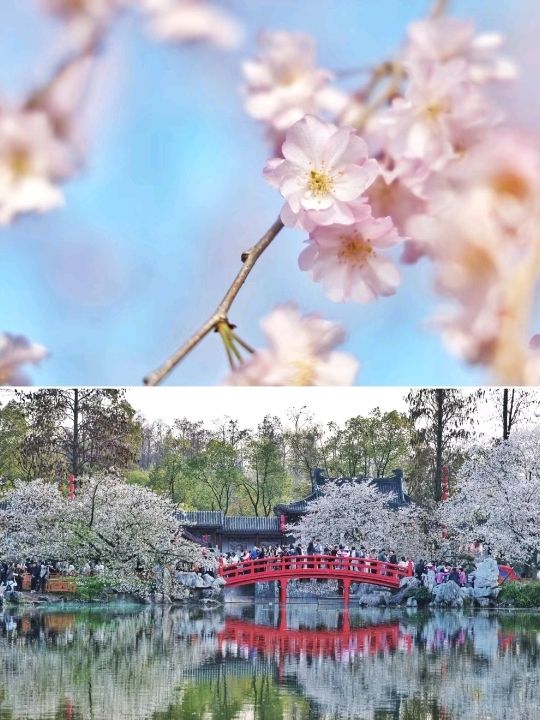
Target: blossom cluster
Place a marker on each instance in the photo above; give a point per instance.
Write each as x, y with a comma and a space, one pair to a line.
354, 512
431, 165
417, 162
301, 352
109, 519
15, 352
38, 148
497, 498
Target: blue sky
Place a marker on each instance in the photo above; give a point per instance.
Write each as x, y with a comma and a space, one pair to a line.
172, 193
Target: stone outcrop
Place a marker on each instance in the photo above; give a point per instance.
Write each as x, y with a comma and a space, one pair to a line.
486, 575
189, 585
448, 594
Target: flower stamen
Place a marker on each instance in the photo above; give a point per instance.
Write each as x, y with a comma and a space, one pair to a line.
319, 183
355, 249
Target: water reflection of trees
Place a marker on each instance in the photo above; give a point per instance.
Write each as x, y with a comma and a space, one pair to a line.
174, 665
445, 666
99, 665
457, 666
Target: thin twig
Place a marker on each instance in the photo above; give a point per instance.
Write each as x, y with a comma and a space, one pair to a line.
220, 315
439, 8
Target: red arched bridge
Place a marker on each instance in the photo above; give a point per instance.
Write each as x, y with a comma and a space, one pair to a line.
346, 570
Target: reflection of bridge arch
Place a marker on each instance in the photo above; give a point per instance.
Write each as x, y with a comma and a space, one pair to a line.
315, 567
274, 642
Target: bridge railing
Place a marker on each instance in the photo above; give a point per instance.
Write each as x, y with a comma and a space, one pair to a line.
319, 565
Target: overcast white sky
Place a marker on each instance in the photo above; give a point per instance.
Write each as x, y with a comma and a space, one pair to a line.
249, 405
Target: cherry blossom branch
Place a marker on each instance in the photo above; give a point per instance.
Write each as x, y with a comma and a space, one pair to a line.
392, 71
220, 316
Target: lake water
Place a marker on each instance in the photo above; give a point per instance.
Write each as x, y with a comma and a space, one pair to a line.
309, 662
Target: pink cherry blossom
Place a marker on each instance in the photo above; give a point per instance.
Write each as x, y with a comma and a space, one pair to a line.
480, 228
470, 260
442, 39
284, 82
505, 167
32, 161
16, 350
349, 260
441, 115
324, 172
186, 21
400, 193
301, 352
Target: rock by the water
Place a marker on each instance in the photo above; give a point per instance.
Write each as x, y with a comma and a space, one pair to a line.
448, 593
14, 596
482, 602
365, 589
409, 582
186, 578
486, 574
375, 599
211, 593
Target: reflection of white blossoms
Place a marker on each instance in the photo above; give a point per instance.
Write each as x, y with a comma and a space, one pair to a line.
461, 668
106, 666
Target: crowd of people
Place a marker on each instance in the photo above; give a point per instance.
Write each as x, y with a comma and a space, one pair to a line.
34, 574
430, 573
315, 548
39, 571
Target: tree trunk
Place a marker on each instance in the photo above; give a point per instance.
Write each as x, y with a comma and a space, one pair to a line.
439, 443
75, 445
506, 428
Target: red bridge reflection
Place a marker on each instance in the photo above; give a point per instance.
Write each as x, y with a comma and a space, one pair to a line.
273, 642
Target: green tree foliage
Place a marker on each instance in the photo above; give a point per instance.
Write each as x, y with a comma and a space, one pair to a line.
76, 431
265, 479
371, 446
13, 429
443, 420
218, 472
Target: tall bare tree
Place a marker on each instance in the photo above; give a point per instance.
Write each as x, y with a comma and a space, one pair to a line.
77, 431
442, 420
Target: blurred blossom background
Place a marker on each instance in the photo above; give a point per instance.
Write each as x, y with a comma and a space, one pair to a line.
172, 193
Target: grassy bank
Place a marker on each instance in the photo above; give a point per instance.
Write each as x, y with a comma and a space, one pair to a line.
520, 594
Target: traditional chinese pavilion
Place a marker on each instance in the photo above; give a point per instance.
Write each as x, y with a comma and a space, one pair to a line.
214, 528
